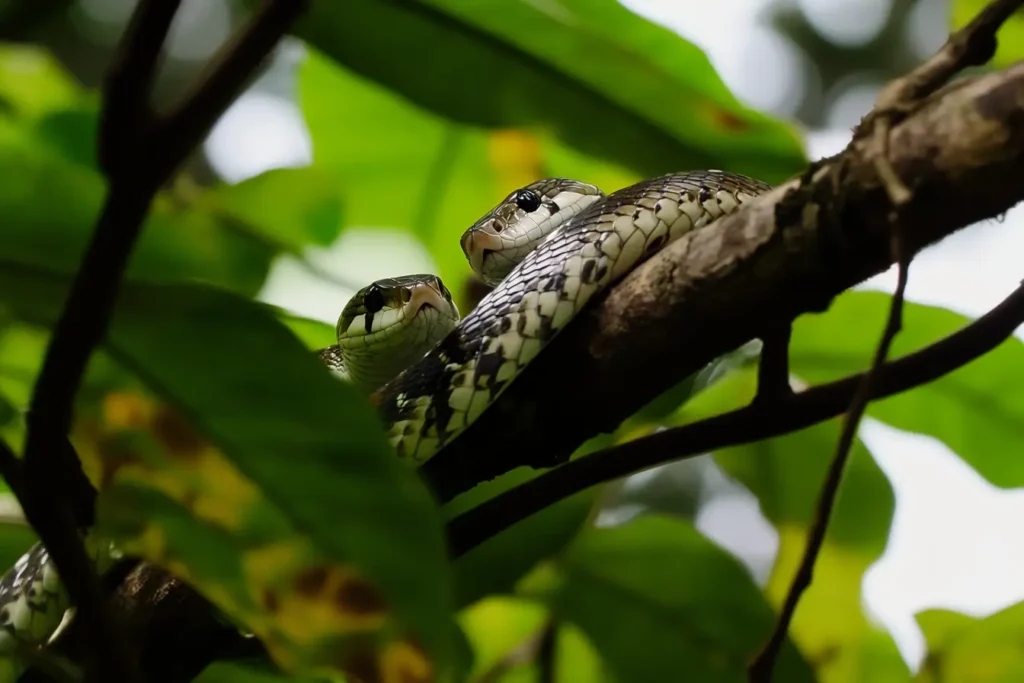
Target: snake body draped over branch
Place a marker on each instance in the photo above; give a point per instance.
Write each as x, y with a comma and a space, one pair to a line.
549, 248
433, 401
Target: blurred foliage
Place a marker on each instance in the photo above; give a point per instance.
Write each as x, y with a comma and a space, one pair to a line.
224, 452
963, 648
658, 585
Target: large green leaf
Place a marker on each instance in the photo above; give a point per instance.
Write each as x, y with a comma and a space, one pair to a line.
1010, 36
659, 601
963, 648
596, 75
290, 207
505, 634
495, 565
304, 514
976, 410
32, 81
227, 235
406, 167
50, 205
786, 474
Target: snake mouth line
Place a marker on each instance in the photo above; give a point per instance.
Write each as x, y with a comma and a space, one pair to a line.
478, 245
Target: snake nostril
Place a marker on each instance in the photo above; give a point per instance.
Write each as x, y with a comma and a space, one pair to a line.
497, 225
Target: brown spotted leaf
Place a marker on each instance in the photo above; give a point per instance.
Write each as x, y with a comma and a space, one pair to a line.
263, 481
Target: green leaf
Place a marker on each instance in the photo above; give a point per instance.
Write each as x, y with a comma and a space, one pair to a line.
655, 597
941, 627
32, 81
406, 168
249, 672
315, 334
786, 474
962, 648
975, 410
305, 498
504, 633
1010, 37
495, 627
289, 207
71, 133
50, 207
496, 564
601, 78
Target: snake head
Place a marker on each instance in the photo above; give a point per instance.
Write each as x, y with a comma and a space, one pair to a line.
390, 324
496, 243
379, 306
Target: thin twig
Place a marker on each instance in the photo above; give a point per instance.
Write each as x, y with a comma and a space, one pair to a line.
973, 45
10, 468
764, 664
547, 660
741, 426
223, 80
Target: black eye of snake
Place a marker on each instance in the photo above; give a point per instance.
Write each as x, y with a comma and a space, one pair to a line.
527, 200
373, 301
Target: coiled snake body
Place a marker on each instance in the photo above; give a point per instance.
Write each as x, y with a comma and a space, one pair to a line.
433, 401
550, 247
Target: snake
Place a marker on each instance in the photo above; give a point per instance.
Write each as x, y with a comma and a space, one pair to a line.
547, 249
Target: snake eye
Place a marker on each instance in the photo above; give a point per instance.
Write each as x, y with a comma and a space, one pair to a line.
373, 300
527, 200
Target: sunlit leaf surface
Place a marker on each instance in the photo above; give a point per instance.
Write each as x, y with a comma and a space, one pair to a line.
963, 648
975, 410
600, 77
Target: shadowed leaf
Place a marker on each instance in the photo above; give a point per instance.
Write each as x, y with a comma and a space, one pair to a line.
654, 596
305, 498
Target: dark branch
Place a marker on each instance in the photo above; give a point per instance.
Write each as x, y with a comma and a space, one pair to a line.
745, 425
224, 80
10, 468
547, 653
138, 158
129, 83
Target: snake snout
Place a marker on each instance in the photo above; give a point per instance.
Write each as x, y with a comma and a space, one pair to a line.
427, 296
477, 245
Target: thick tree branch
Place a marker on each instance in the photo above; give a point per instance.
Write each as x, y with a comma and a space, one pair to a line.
961, 153
745, 425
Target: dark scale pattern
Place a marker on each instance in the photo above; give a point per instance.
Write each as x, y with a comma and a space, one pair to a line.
439, 373
23, 583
